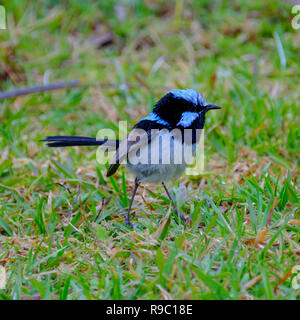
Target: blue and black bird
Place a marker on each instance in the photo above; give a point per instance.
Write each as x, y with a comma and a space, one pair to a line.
158, 141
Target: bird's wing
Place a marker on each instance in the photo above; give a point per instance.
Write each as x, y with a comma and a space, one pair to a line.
134, 140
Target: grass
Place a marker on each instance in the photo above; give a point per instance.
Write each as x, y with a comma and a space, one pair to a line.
244, 238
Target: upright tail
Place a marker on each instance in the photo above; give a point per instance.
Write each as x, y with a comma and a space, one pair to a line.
70, 141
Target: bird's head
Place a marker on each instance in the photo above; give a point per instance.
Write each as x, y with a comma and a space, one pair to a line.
183, 108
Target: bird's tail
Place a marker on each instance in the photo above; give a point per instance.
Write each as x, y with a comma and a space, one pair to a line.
70, 141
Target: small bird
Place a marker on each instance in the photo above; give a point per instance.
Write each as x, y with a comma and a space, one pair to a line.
155, 149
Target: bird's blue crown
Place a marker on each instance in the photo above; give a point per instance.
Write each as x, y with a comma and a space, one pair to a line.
190, 95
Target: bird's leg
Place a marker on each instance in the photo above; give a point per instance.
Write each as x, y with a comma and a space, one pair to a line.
173, 204
127, 218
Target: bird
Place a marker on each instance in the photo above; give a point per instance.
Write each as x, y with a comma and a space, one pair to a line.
155, 149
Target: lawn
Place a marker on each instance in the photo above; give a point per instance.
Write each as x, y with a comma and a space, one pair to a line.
62, 231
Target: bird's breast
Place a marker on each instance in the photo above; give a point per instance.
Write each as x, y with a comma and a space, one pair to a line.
164, 158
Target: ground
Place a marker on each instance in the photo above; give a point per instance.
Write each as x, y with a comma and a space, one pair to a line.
62, 231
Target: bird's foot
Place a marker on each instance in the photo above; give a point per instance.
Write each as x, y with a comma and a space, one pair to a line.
128, 223
183, 218
186, 220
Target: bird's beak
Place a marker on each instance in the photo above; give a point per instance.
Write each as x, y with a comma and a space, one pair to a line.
211, 106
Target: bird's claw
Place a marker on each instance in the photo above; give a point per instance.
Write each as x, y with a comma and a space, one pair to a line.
182, 218
128, 223
186, 220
